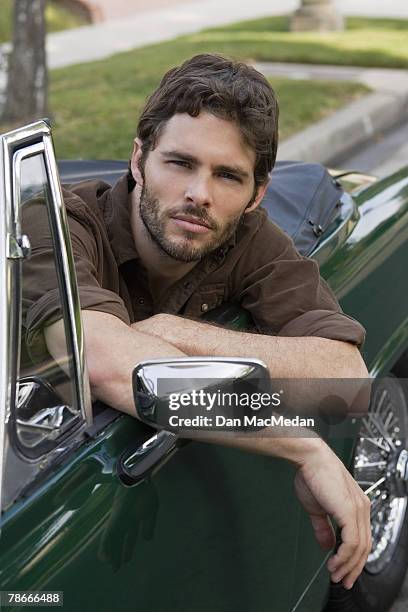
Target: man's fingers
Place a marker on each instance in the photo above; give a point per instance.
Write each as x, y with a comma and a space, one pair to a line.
349, 545
354, 573
350, 559
328, 489
323, 530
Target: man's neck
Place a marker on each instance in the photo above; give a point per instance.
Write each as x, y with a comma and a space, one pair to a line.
163, 271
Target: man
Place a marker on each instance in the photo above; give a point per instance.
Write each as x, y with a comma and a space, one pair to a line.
182, 233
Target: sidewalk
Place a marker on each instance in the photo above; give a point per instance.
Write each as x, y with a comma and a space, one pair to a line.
134, 26
108, 10
101, 40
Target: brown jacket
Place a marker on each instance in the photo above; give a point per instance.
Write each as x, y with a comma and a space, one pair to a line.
259, 269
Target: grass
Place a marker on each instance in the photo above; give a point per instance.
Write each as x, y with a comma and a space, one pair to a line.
95, 106
58, 18
98, 122
365, 42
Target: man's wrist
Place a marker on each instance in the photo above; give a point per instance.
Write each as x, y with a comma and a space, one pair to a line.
299, 451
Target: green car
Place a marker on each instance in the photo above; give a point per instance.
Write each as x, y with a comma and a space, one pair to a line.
109, 514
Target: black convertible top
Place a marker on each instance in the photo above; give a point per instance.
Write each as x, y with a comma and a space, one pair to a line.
302, 198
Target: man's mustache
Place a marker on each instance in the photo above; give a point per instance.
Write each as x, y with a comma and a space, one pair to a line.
199, 213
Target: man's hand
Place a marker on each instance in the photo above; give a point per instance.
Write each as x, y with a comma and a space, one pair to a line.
325, 488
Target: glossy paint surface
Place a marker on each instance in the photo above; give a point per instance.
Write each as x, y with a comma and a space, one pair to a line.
214, 528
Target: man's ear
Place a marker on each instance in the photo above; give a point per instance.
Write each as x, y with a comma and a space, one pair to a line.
259, 196
135, 161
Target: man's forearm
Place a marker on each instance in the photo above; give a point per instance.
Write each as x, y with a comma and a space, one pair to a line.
276, 442
322, 484
308, 357
112, 351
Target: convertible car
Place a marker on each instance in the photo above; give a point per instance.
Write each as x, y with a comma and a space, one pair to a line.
103, 509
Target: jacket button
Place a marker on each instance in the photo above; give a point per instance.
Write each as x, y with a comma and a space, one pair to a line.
204, 307
141, 301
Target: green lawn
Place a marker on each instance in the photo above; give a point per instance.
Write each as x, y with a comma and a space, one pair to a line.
58, 18
95, 106
365, 42
96, 109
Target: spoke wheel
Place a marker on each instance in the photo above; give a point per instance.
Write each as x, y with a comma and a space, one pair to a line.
380, 468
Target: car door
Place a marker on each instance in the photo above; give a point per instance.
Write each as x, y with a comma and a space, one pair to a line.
212, 529
363, 260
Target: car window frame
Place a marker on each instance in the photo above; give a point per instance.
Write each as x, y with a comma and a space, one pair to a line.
17, 145
4, 327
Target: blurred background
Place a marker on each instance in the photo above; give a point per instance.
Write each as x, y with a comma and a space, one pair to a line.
88, 65
339, 69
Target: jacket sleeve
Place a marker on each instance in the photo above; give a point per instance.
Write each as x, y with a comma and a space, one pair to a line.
285, 293
42, 304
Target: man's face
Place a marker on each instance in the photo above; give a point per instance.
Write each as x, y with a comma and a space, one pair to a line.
198, 181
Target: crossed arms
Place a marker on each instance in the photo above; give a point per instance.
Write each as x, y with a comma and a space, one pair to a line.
322, 483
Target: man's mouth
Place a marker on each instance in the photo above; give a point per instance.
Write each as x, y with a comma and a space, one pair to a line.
192, 224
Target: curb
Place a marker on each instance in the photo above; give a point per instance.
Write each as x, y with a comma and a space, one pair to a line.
350, 127
347, 129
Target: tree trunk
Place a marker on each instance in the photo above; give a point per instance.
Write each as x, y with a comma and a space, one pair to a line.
26, 94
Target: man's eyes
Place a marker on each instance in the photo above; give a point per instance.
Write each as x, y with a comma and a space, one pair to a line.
229, 176
222, 174
180, 162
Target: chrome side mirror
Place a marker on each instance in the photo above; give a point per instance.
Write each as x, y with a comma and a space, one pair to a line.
158, 381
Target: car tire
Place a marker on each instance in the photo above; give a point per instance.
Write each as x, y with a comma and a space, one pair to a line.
381, 580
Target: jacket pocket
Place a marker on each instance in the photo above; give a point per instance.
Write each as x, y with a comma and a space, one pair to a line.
205, 299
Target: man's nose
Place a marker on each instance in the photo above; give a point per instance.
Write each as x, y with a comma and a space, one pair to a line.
199, 191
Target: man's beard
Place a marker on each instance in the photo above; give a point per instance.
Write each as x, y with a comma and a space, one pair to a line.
183, 249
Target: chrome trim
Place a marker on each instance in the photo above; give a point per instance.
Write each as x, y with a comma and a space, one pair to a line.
40, 131
14, 236
12, 315
14, 223
385, 548
70, 281
47, 424
401, 472
348, 218
4, 316
311, 581
380, 468
145, 460
14, 213
148, 373
14, 229
204, 360
18, 248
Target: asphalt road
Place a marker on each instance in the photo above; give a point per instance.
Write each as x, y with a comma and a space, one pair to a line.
382, 155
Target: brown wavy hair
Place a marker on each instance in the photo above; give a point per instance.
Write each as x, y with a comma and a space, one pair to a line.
228, 89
